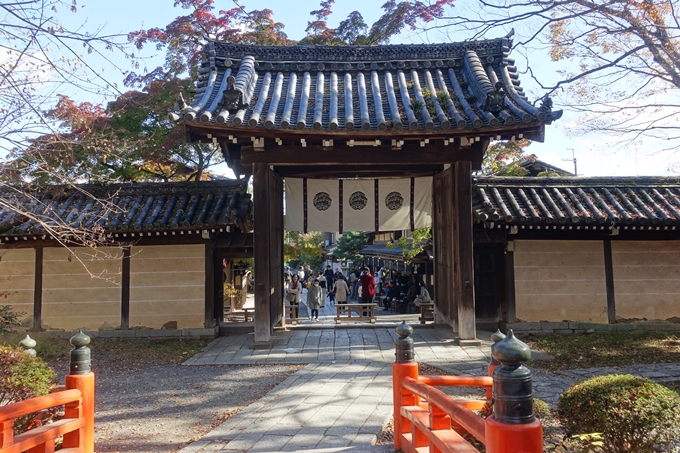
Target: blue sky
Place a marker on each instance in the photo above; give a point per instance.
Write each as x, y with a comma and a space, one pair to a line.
594, 156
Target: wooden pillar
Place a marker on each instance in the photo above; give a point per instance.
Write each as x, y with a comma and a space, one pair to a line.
464, 282
276, 249
209, 304
444, 254
609, 279
37, 290
262, 244
125, 290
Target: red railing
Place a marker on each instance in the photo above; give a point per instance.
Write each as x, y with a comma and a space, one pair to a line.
76, 427
428, 420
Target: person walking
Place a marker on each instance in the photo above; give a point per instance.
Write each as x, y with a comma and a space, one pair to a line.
353, 284
367, 289
378, 282
315, 297
341, 289
293, 294
330, 277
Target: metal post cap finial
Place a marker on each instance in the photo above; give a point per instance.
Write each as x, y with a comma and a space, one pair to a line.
80, 339
28, 343
497, 336
511, 351
80, 354
404, 330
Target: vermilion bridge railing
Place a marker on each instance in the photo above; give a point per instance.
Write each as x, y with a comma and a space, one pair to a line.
428, 420
77, 425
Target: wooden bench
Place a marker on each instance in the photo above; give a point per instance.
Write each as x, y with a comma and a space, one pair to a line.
290, 314
426, 312
344, 312
245, 312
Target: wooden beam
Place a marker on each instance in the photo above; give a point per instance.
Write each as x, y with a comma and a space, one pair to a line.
161, 239
209, 306
37, 290
353, 171
467, 329
609, 281
125, 291
262, 218
200, 131
366, 156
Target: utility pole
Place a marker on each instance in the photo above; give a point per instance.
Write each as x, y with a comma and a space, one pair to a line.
573, 159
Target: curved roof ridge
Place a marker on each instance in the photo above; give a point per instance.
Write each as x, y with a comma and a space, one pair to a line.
383, 52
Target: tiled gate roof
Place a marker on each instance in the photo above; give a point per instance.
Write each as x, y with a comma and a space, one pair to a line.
643, 201
372, 90
126, 208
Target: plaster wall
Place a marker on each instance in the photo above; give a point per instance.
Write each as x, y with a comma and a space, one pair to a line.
646, 279
560, 280
81, 290
167, 283
17, 281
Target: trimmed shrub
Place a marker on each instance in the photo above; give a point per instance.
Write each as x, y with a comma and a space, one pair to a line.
22, 377
633, 414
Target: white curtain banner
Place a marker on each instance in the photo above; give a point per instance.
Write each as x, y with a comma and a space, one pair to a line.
358, 204
422, 203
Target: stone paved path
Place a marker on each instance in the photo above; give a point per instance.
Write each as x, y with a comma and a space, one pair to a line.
342, 399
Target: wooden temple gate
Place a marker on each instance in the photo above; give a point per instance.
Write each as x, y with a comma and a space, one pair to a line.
334, 112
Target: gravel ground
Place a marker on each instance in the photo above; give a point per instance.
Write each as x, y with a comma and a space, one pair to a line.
146, 401
163, 408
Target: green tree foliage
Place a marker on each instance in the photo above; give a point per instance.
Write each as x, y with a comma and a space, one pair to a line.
349, 246
354, 31
411, 248
303, 248
503, 158
8, 318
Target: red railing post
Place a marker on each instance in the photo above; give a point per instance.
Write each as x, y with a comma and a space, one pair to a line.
403, 366
438, 420
512, 428
496, 337
81, 378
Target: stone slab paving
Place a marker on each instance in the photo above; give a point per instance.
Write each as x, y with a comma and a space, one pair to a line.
322, 407
432, 344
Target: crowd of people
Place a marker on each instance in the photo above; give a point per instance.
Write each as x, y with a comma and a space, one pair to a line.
360, 285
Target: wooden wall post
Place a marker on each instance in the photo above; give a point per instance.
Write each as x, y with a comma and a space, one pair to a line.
465, 287
209, 305
609, 280
508, 305
262, 245
218, 286
37, 290
125, 291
